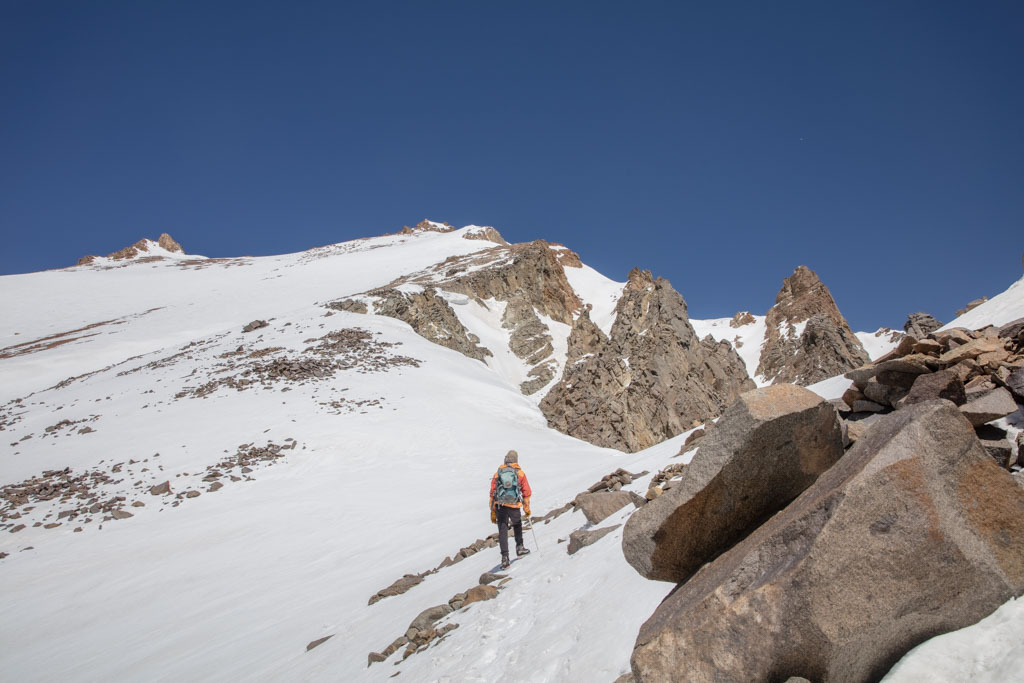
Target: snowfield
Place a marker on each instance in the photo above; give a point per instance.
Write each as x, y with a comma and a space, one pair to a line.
136, 374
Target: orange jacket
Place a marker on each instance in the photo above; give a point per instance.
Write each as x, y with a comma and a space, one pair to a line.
524, 486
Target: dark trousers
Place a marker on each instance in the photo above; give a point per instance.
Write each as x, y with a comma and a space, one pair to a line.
509, 517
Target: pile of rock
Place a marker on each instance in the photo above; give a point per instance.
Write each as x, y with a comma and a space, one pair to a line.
980, 371
664, 479
423, 632
81, 490
795, 559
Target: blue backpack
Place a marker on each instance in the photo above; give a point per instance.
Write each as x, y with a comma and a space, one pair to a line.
507, 491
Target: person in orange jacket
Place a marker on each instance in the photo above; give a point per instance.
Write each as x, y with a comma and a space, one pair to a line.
510, 492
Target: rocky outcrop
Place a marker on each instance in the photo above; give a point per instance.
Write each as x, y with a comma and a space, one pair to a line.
976, 370
431, 317
913, 533
971, 306
742, 318
165, 242
765, 450
649, 380
426, 226
530, 340
807, 339
920, 325
526, 273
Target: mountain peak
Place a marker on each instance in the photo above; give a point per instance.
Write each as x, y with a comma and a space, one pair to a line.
426, 225
164, 243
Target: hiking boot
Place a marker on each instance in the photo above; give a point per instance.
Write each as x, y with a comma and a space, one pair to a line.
522, 550
505, 564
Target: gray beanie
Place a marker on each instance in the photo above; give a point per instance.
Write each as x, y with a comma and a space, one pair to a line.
511, 457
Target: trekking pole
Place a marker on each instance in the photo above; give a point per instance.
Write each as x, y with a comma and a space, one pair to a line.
534, 533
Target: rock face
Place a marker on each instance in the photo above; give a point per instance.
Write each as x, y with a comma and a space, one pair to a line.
920, 325
807, 339
529, 279
649, 380
765, 450
913, 533
431, 317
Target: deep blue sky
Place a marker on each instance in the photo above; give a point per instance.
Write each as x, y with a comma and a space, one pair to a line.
717, 144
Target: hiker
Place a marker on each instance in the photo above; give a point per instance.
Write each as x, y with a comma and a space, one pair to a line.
509, 492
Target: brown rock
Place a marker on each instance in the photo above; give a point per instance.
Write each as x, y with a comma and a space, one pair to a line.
167, 242
582, 538
430, 316
425, 619
121, 514
321, 641
915, 532
970, 350
671, 382
489, 577
480, 593
161, 489
867, 407
767, 448
826, 346
992, 406
598, 506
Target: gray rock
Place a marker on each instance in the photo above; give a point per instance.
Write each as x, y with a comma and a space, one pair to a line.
598, 506
489, 577
943, 384
1001, 451
1012, 330
883, 394
768, 447
867, 407
920, 325
254, 325
992, 406
1015, 383
915, 532
582, 538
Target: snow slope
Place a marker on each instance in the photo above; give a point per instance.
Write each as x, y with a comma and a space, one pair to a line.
388, 475
138, 373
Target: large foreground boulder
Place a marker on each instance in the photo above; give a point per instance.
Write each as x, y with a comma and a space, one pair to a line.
913, 533
769, 446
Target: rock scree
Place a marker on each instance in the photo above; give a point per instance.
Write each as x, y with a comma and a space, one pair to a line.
915, 532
